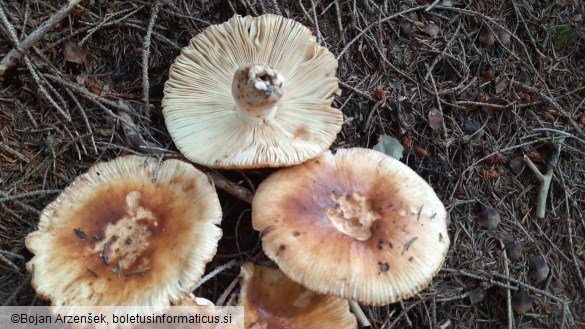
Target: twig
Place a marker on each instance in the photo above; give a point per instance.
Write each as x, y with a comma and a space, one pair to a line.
545, 179
276, 7
146, 54
560, 132
108, 19
359, 314
408, 321
216, 271
447, 47
42, 89
375, 110
98, 100
230, 187
23, 205
13, 152
508, 294
570, 235
222, 298
20, 48
432, 5
376, 23
354, 89
28, 194
29, 64
551, 102
84, 115
445, 134
9, 263
134, 138
404, 313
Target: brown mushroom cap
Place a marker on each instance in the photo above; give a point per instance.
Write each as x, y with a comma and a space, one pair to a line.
272, 300
357, 224
128, 232
252, 92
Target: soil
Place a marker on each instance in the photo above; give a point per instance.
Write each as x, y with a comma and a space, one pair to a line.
469, 90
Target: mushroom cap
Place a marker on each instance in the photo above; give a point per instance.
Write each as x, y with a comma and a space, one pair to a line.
129, 233
357, 224
272, 300
201, 113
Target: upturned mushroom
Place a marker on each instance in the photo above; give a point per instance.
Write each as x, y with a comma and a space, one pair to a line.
252, 92
129, 233
272, 300
356, 224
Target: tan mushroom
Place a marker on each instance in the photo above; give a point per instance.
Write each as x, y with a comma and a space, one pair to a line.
357, 224
252, 92
272, 300
128, 232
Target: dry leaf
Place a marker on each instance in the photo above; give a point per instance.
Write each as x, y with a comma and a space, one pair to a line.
432, 29
525, 77
73, 52
473, 129
517, 165
477, 296
502, 85
504, 37
406, 27
435, 119
389, 146
488, 217
486, 36
521, 301
420, 151
470, 127
468, 96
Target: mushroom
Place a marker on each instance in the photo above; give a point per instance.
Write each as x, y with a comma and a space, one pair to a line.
272, 300
128, 232
252, 92
356, 224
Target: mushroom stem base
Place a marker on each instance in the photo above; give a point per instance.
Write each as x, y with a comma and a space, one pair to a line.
257, 88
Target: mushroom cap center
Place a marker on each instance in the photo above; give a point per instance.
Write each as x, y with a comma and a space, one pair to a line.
352, 215
126, 240
257, 88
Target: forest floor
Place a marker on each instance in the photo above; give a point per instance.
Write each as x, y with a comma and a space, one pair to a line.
469, 91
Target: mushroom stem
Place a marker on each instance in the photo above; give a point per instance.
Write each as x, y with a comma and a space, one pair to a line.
257, 88
359, 314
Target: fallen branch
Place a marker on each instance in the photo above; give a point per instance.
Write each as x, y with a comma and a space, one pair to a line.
21, 48
545, 179
230, 187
